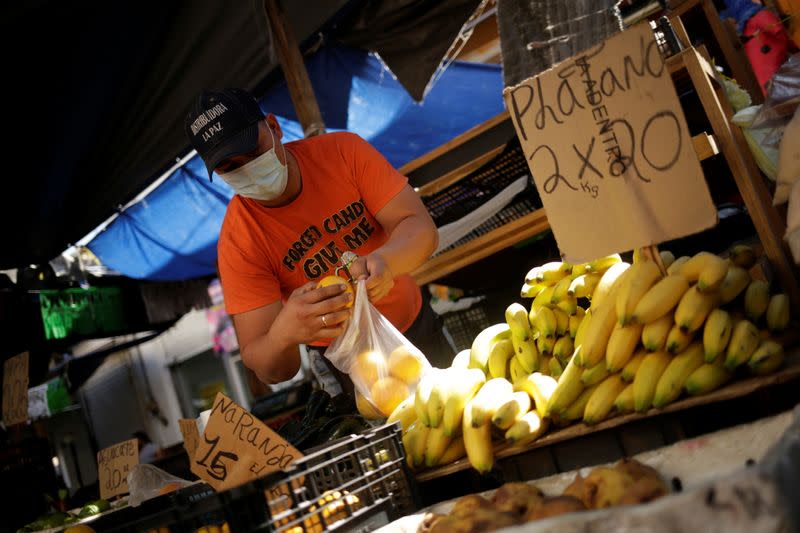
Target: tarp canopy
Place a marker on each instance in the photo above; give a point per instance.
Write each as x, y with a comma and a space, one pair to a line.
95, 92
172, 233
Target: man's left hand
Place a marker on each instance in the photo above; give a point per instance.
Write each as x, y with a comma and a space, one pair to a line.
375, 270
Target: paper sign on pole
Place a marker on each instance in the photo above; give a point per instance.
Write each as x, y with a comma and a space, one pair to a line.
191, 437
15, 390
609, 149
113, 465
236, 447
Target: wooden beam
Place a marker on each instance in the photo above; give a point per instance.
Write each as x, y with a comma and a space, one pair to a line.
454, 175
294, 70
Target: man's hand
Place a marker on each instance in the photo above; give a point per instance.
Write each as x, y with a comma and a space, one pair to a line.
375, 270
312, 314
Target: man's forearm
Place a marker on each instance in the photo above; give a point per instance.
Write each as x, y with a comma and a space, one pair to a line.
272, 358
411, 243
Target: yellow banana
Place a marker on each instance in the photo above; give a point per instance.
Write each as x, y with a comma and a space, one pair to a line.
562, 351
529, 290
624, 402
603, 263
569, 305
540, 388
555, 368
560, 290
581, 331
611, 277
767, 358
654, 334
575, 321
546, 322
778, 315
515, 369
667, 258
465, 385
594, 375
414, 442
578, 270
436, 444
577, 407
477, 441
602, 400
405, 413
562, 322
422, 395
545, 346
707, 269
526, 354
678, 340
568, 389
549, 272
593, 347
621, 345
743, 256
501, 352
756, 299
517, 320
482, 345
646, 379
706, 378
454, 451
629, 372
541, 300
736, 280
641, 277
693, 309
660, 299
744, 341
583, 286
437, 397
671, 382
527, 429
461, 360
512, 410
638, 256
544, 366
492, 395
677, 265
716, 334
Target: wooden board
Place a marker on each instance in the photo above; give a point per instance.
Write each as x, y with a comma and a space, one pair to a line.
733, 390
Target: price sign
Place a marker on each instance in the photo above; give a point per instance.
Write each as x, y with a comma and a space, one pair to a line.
15, 390
236, 447
609, 149
191, 437
113, 465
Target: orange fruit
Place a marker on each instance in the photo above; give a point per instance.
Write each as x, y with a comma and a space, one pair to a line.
365, 407
387, 393
337, 280
367, 368
405, 364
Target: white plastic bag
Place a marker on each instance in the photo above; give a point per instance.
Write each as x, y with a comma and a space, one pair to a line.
383, 365
148, 481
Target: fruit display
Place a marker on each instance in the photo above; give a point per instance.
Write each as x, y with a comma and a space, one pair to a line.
627, 482
599, 339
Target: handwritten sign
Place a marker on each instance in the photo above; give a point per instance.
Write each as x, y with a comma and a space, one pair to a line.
236, 447
609, 149
15, 390
191, 437
113, 465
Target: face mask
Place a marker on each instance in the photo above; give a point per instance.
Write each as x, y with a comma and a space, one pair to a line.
263, 178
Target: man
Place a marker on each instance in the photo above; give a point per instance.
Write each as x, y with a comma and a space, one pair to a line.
297, 208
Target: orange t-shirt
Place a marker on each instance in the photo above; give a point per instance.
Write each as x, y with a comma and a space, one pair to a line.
265, 253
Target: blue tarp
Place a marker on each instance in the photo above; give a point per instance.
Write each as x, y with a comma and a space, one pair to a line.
172, 233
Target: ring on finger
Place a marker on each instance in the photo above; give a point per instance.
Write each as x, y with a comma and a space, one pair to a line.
325, 322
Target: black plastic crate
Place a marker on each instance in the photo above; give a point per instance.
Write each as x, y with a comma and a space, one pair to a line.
468, 193
358, 483
463, 326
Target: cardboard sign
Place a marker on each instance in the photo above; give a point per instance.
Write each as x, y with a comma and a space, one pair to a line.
609, 149
113, 465
236, 447
15, 390
191, 437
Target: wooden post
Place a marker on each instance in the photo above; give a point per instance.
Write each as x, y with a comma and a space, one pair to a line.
294, 70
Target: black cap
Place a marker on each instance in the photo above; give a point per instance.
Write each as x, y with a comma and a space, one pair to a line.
222, 124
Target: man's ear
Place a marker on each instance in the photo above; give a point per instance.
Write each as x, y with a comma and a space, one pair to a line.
274, 125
